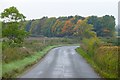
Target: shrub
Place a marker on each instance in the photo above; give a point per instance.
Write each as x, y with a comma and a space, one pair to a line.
90, 45
106, 58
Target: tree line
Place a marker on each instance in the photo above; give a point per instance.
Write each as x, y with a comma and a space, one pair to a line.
16, 28
72, 26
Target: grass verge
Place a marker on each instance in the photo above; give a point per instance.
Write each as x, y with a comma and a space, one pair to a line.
94, 65
13, 69
0, 59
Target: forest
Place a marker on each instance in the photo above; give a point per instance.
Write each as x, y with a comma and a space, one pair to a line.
70, 26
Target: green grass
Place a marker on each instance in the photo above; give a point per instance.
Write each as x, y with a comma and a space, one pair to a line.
94, 65
0, 29
12, 69
15, 68
0, 59
17, 59
29, 47
86, 56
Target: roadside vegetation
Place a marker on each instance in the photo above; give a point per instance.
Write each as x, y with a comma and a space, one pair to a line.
30, 46
31, 52
102, 55
0, 59
26, 42
0, 49
19, 51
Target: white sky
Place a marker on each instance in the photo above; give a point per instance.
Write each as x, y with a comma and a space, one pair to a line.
35, 9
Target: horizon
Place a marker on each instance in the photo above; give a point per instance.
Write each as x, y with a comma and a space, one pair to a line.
38, 9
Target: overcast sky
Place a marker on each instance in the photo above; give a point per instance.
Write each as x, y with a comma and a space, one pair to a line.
35, 9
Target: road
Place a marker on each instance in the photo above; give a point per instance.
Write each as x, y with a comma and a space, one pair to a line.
61, 62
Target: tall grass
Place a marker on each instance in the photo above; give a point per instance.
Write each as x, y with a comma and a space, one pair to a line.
90, 45
13, 68
0, 29
30, 46
106, 57
0, 59
103, 57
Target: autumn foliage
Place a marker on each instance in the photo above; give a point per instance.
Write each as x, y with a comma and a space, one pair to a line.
71, 26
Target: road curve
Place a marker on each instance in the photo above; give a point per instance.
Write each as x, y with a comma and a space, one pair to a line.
62, 62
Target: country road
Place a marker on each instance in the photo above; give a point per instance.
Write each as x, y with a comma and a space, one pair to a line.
61, 62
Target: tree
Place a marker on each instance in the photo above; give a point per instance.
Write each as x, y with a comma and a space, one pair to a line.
83, 29
67, 28
46, 28
0, 29
57, 28
11, 19
108, 23
12, 15
103, 26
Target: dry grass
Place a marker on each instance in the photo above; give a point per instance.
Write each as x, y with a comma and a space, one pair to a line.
105, 56
107, 59
12, 54
12, 69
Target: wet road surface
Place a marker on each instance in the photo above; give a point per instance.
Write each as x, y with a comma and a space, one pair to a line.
62, 62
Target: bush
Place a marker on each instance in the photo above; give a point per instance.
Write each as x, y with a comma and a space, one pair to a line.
113, 41
106, 58
90, 45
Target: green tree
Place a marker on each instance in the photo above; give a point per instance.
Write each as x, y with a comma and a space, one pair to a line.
84, 30
47, 27
0, 29
11, 19
95, 21
103, 26
108, 23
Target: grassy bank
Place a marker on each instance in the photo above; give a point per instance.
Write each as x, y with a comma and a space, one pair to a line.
104, 63
88, 58
12, 69
0, 59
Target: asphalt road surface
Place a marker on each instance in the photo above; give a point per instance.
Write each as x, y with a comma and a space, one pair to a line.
61, 62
